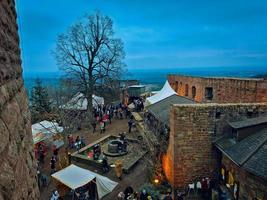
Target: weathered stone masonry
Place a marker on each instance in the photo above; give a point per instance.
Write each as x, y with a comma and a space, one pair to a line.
17, 166
190, 154
222, 90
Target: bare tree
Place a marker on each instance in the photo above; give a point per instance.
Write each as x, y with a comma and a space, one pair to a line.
89, 54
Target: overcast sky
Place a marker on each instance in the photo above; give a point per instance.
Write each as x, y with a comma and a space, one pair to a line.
156, 33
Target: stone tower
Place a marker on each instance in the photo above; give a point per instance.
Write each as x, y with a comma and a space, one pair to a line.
17, 166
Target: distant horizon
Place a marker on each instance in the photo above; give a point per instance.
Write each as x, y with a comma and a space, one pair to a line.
259, 69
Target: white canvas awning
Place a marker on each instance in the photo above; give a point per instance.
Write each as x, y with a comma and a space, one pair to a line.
79, 102
165, 92
44, 130
75, 177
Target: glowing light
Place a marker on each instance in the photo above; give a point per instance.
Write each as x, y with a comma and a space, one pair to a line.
156, 181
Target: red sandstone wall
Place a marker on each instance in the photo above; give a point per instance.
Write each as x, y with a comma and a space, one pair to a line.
192, 130
225, 90
17, 166
250, 185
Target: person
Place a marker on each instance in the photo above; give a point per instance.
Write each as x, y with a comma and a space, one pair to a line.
118, 168
82, 142
41, 157
105, 164
116, 112
41, 153
39, 178
97, 151
77, 143
44, 179
143, 195
121, 196
102, 127
77, 139
135, 196
70, 140
130, 124
109, 116
168, 196
53, 165
55, 152
122, 136
120, 113
55, 195
180, 196
93, 123
128, 192
124, 146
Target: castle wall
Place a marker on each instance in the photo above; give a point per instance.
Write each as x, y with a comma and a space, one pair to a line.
190, 154
225, 90
17, 166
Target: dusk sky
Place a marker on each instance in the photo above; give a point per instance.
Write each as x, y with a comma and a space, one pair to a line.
156, 33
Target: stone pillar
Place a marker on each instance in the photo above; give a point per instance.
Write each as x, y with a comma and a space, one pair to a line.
17, 166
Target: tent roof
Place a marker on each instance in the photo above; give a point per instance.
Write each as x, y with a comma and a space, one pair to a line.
79, 102
46, 126
44, 130
75, 177
161, 109
165, 92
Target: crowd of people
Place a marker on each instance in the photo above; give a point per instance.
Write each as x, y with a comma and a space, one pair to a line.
130, 194
77, 144
103, 115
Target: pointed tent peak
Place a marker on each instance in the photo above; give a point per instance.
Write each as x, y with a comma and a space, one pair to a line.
165, 92
167, 87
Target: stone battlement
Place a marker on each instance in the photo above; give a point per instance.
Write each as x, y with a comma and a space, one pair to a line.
220, 90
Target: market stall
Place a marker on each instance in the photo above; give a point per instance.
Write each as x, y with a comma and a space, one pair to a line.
46, 134
82, 182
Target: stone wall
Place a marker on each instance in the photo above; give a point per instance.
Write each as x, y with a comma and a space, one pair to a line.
250, 186
225, 90
190, 154
17, 166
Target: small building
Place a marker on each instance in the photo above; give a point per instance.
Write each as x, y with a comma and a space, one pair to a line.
127, 83
244, 159
136, 90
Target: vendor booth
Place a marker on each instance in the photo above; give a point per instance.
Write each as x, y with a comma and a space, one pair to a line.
82, 182
79, 102
45, 134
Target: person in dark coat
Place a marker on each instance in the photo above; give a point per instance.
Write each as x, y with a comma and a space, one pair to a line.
105, 164
93, 123
53, 165
130, 124
143, 195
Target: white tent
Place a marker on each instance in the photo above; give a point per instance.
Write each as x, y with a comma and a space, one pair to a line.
165, 92
79, 102
75, 177
44, 130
